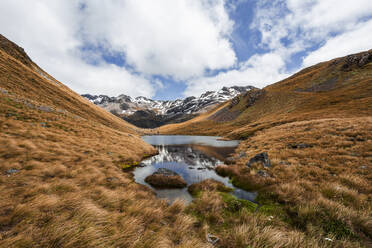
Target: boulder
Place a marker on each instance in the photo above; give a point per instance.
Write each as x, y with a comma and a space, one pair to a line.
260, 158
164, 178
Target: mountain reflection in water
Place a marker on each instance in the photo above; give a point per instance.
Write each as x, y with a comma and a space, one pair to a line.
194, 162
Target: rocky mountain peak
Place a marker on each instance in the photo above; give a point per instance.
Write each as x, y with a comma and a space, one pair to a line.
145, 112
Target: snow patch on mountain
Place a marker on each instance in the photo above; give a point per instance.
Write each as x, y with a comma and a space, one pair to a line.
126, 106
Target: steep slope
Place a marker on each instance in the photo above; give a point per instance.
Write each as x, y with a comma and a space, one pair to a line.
60, 169
338, 88
148, 113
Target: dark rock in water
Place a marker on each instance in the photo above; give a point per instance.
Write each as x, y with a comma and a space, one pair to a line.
262, 173
260, 158
141, 164
299, 146
230, 160
164, 178
173, 149
191, 155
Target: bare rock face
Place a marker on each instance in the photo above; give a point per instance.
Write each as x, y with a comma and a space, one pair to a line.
249, 98
164, 178
15, 51
356, 60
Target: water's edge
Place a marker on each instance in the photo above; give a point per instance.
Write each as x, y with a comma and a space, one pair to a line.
192, 157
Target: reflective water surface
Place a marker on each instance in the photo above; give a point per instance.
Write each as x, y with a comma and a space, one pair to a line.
192, 157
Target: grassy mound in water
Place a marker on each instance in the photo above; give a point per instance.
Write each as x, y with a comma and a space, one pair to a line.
164, 178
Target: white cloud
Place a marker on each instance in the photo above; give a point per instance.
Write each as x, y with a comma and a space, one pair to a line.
327, 15
48, 34
307, 21
350, 42
291, 26
171, 38
259, 70
180, 39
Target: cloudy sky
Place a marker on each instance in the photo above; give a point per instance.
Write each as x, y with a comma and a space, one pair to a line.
167, 49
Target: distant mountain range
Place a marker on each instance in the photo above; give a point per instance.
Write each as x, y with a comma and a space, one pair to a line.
148, 113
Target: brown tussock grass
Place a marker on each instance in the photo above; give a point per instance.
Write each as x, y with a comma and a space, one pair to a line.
68, 189
287, 101
330, 180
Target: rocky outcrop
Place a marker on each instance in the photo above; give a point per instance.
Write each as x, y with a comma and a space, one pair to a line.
356, 60
164, 178
262, 158
249, 98
15, 51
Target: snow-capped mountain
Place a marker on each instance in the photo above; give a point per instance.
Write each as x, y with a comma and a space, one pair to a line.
148, 113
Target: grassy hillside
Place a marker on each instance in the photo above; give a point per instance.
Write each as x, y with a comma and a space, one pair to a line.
316, 128
61, 180
337, 88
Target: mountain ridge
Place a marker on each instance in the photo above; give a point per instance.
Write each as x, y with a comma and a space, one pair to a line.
334, 88
147, 113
